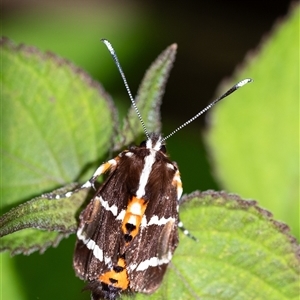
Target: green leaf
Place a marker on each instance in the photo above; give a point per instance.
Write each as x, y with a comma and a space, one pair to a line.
29, 240
241, 253
56, 123
254, 137
43, 213
149, 98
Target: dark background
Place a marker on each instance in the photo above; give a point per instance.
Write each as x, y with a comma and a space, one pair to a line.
213, 38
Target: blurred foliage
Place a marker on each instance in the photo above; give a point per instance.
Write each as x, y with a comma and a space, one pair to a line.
259, 127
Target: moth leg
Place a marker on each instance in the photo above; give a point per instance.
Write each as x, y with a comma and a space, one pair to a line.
185, 231
101, 170
178, 184
111, 164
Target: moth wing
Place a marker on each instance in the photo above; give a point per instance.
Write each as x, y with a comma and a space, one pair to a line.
149, 273
151, 251
99, 233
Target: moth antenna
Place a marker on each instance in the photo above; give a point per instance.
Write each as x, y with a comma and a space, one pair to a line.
230, 91
115, 58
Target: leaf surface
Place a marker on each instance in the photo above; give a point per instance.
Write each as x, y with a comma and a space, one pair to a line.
241, 253
254, 137
56, 123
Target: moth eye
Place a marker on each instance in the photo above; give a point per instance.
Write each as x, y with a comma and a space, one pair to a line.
143, 144
163, 149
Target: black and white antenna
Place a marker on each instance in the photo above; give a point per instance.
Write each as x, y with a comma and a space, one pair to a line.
230, 91
115, 58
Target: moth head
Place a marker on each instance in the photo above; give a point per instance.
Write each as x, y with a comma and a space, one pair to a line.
155, 142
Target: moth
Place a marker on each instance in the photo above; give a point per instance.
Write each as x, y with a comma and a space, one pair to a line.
128, 232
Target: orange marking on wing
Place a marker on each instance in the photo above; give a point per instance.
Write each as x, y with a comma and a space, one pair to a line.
134, 214
116, 277
177, 183
177, 180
